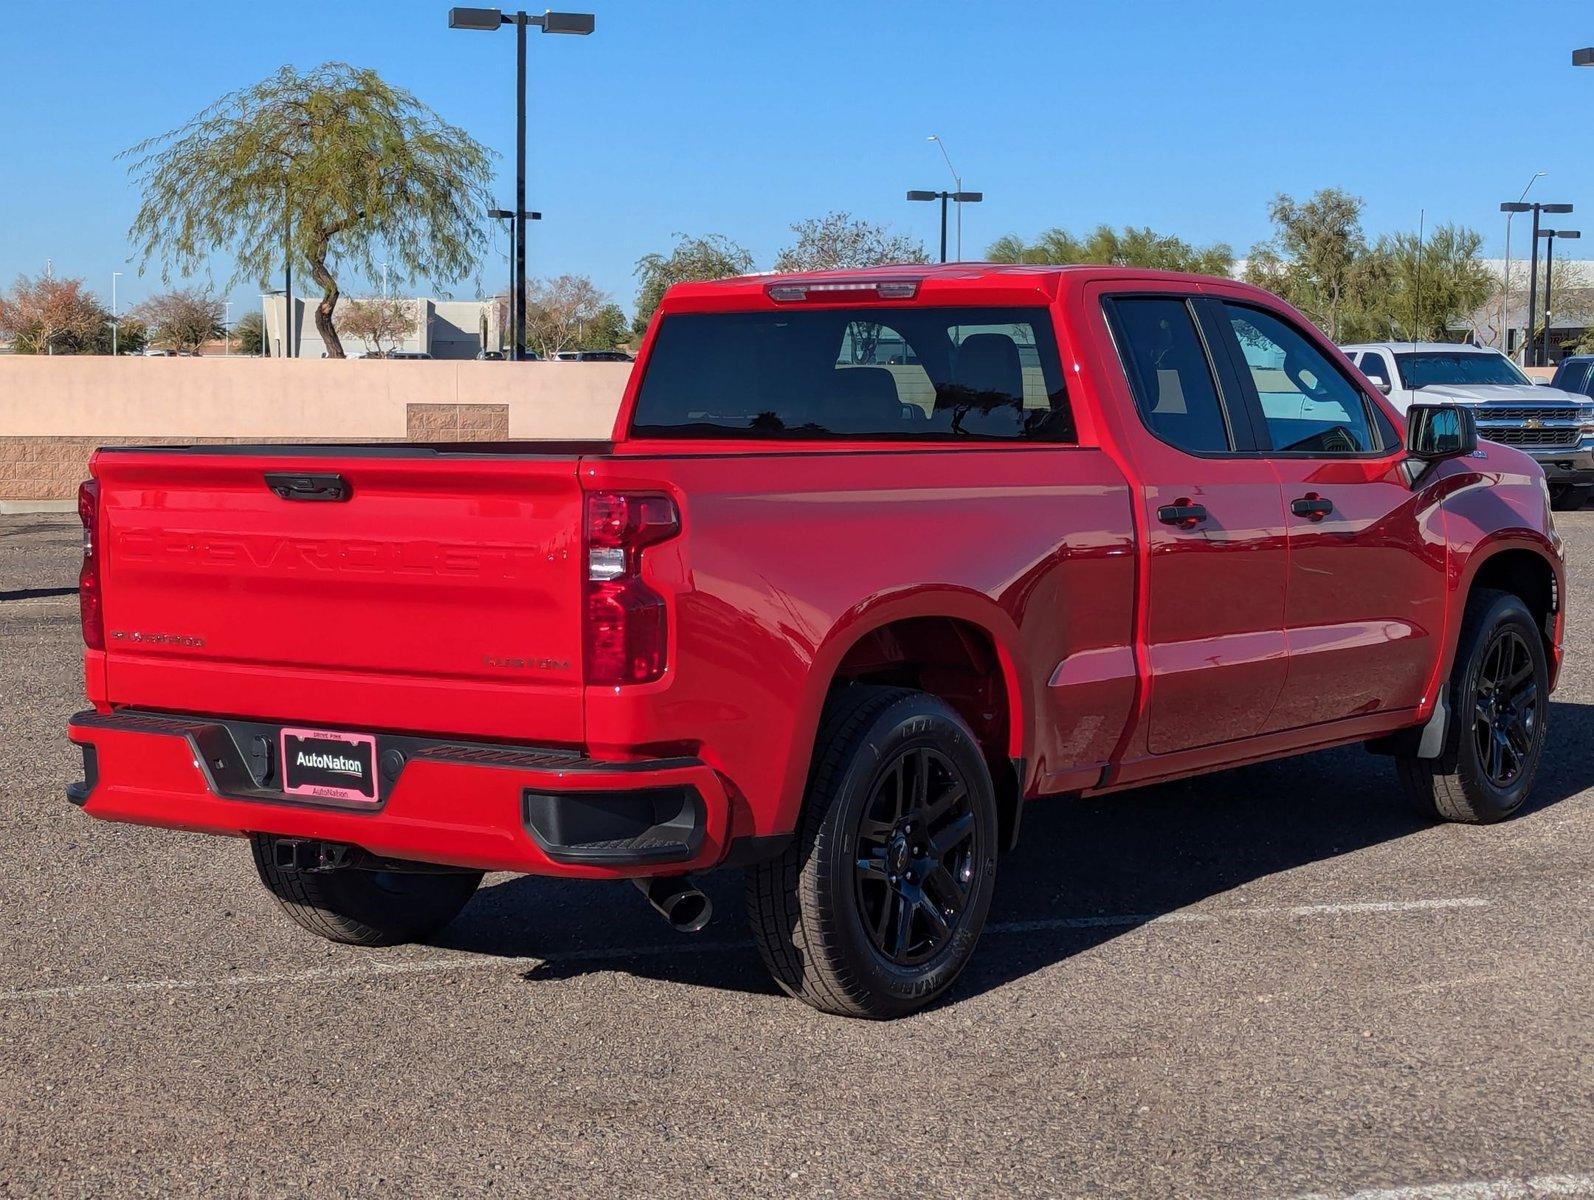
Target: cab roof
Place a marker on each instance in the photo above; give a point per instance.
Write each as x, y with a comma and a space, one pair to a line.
975, 281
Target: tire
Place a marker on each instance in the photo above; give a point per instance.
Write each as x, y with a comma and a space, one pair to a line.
365, 908
1496, 734
1569, 497
828, 913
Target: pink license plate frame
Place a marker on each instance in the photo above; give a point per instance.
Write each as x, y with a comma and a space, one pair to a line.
334, 747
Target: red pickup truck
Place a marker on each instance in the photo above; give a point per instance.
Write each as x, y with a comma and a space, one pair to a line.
871, 559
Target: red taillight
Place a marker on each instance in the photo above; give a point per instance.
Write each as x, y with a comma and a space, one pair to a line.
625, 619
88, 576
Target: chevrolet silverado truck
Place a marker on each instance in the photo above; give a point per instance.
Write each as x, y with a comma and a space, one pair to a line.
1554, 425
871, 560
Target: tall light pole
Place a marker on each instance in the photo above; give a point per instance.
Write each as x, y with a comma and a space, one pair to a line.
1533, 267
958, 181
960, 197
549, 22
226, 329
517, 234
115, 313
1511, 211
1549, 236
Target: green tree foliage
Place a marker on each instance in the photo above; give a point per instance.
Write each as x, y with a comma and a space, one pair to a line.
359, 169
1127, 247
564, 312
1400, 286
53, 316
1312, 258
692, 259
839, 241
182, 320
607, 330
249, 334
132, 335
1421, 288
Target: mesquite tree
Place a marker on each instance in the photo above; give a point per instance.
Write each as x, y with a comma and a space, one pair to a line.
336, 163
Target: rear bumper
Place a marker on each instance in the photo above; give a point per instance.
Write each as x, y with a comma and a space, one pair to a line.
523, 809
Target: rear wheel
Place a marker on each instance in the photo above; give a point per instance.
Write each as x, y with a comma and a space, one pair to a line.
876, 907
1569, 497
361, 907
1499, 716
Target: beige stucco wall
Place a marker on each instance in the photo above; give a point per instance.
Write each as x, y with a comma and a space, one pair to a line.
53, 411
276, 398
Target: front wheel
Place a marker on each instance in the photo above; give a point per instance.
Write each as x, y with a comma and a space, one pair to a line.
363, 907
875, 908
1499, 716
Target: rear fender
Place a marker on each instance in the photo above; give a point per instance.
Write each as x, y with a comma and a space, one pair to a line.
960, 604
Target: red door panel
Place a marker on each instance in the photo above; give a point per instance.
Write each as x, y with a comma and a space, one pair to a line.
1365, 611
1216, 600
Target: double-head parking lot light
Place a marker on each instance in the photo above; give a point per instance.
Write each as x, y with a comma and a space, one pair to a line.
548, 22
943, 197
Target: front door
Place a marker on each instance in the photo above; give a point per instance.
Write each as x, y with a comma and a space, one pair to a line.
1214, 624
1365, 608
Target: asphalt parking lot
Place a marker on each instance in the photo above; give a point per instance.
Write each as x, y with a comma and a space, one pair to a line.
1274, 982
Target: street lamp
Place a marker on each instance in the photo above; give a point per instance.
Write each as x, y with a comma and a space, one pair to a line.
961, 198
1583, 57
957, 181
549, 22
1549, 236
1505, 286
516, 297
1533, 268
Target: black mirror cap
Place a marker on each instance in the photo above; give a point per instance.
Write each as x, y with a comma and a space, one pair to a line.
1384, 386
1439, 431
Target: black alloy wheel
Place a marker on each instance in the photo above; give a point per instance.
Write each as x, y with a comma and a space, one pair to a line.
1506, 708
916, 857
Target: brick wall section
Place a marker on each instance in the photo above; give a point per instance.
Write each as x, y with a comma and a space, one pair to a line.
456, 422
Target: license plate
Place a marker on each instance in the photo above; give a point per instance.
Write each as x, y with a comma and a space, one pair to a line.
329, 766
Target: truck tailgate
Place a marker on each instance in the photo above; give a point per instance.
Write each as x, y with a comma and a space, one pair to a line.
441, 595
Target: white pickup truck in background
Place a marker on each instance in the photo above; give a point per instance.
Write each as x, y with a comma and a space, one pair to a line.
1554, 426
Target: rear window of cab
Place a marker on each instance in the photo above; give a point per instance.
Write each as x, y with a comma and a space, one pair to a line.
917, 374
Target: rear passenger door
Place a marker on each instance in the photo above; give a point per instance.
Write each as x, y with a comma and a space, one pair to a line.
1365, 607
1214, 628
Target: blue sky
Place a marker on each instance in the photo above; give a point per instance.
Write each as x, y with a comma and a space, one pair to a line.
739, 118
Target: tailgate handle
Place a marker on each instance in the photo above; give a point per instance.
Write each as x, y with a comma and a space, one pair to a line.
291, 485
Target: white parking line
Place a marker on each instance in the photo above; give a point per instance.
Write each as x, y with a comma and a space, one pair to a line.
1540, 1187
373, 968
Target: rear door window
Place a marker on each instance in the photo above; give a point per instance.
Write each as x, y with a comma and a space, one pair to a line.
1166, 364
934, 374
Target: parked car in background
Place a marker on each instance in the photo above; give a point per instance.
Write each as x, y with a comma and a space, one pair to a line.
827, 619
489, 356
416, 355
592, 356
1575, 374
1554, 425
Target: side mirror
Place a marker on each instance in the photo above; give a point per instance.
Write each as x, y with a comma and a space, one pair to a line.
1384, 386
1439, 431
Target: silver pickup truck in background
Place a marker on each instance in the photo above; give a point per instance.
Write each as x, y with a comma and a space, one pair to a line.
1554, 426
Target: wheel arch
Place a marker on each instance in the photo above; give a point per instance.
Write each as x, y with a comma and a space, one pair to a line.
954, 643
1528, 565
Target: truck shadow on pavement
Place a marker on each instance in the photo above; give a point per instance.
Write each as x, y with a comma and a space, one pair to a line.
1130, 857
